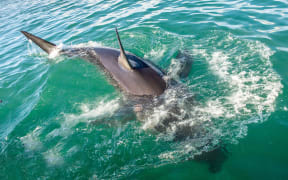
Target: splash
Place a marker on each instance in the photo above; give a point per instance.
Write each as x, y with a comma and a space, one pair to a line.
55, 52
232, 84
245, 92
31, 141
89, 113
53, 156
53, 56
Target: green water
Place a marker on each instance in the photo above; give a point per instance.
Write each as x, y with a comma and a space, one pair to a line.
239, 77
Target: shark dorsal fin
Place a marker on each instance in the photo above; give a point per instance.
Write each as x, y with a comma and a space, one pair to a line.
122, 59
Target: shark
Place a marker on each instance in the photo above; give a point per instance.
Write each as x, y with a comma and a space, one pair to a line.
147, 84
132, 74
143, 82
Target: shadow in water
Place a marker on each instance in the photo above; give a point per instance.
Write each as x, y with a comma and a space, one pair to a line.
215, 158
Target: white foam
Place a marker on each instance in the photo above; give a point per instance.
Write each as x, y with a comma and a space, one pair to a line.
89, 112
159, 113
248, 90
253, 85
157, 53
167, 155
31, 141
53, 157
219, 62
55, 52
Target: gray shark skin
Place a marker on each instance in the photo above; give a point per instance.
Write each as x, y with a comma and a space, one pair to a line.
132, 74
141, 81
144, 81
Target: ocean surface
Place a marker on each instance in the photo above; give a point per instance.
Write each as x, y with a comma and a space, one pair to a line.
239, 81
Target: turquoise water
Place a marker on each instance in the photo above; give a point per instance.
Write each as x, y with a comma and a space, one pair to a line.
239, 78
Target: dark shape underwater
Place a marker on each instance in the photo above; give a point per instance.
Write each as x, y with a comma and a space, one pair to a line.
146, 83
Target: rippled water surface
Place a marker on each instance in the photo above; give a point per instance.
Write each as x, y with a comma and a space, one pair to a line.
239, 79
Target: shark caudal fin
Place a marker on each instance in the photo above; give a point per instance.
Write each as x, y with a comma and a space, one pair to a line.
48, 47
122, 59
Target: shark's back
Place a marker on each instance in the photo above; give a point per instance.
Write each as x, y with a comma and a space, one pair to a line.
145, 79
132, 74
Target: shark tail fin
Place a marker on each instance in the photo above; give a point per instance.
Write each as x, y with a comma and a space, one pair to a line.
43, 44
122, 59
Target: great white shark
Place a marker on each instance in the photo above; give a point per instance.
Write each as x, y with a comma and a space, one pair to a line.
137, 78
144, 80
134, 75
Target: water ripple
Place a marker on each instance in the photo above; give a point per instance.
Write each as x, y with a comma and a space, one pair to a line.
232, 42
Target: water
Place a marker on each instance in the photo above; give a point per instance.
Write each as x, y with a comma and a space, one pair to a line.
239, 79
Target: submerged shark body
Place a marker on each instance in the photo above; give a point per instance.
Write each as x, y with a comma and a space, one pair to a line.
132, 74
145, 82
136, 77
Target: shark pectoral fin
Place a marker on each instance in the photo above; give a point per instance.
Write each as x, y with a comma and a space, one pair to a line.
122, 59
47, 46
